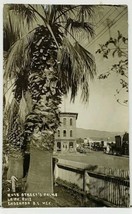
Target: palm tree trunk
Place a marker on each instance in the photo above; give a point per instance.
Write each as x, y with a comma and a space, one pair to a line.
40, 176
46, 95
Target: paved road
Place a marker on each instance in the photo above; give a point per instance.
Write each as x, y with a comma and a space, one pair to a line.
98, 158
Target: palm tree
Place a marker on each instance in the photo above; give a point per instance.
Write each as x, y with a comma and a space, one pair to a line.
45, 60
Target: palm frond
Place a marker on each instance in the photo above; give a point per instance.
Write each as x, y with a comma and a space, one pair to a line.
18, 20
64, 12
25, 106
85, 12
80, 12
24, 11
75, 25
10, 34
18, 56
45, 17
76, 67
11, 109
87, 59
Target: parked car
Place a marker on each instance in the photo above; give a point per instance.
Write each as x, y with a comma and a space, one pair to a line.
81, 150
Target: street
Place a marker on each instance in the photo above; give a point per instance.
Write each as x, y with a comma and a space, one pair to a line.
98, 158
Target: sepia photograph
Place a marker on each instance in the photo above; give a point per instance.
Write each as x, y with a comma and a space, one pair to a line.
65, 106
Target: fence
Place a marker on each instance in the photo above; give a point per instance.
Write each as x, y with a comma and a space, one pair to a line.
105, 185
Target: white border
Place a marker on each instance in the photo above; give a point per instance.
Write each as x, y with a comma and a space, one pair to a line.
65, 210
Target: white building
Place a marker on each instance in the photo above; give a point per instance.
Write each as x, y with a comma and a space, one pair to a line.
65, 136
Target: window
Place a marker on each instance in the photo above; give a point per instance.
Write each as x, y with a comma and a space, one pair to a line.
70, 133
70, 121
64, 121
64, 145
64, 133
58, 146
70, 144
58, 133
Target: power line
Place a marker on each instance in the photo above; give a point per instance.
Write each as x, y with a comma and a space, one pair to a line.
104, 30
103, 17
109, 15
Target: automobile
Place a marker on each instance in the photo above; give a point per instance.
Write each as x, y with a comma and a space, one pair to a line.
81, 150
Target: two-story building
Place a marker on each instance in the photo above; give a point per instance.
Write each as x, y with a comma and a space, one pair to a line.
65, 136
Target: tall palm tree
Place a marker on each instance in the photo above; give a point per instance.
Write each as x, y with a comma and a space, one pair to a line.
45, 60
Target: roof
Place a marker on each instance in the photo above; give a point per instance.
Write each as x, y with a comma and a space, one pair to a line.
69, 113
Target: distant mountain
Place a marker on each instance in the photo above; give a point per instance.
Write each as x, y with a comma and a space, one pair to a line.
96, 135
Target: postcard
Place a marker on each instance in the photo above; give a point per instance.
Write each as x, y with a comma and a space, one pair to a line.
65, 106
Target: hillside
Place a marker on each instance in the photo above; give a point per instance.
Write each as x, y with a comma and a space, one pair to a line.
96, 135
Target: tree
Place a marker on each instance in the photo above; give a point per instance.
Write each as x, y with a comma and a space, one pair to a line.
45, 60
117, 47
80, 141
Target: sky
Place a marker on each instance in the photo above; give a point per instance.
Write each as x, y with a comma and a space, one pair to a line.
103, 112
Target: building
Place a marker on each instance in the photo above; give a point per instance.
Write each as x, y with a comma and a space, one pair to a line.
65, 136
88, 142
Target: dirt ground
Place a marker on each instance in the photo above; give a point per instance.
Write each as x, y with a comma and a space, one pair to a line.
98, 158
